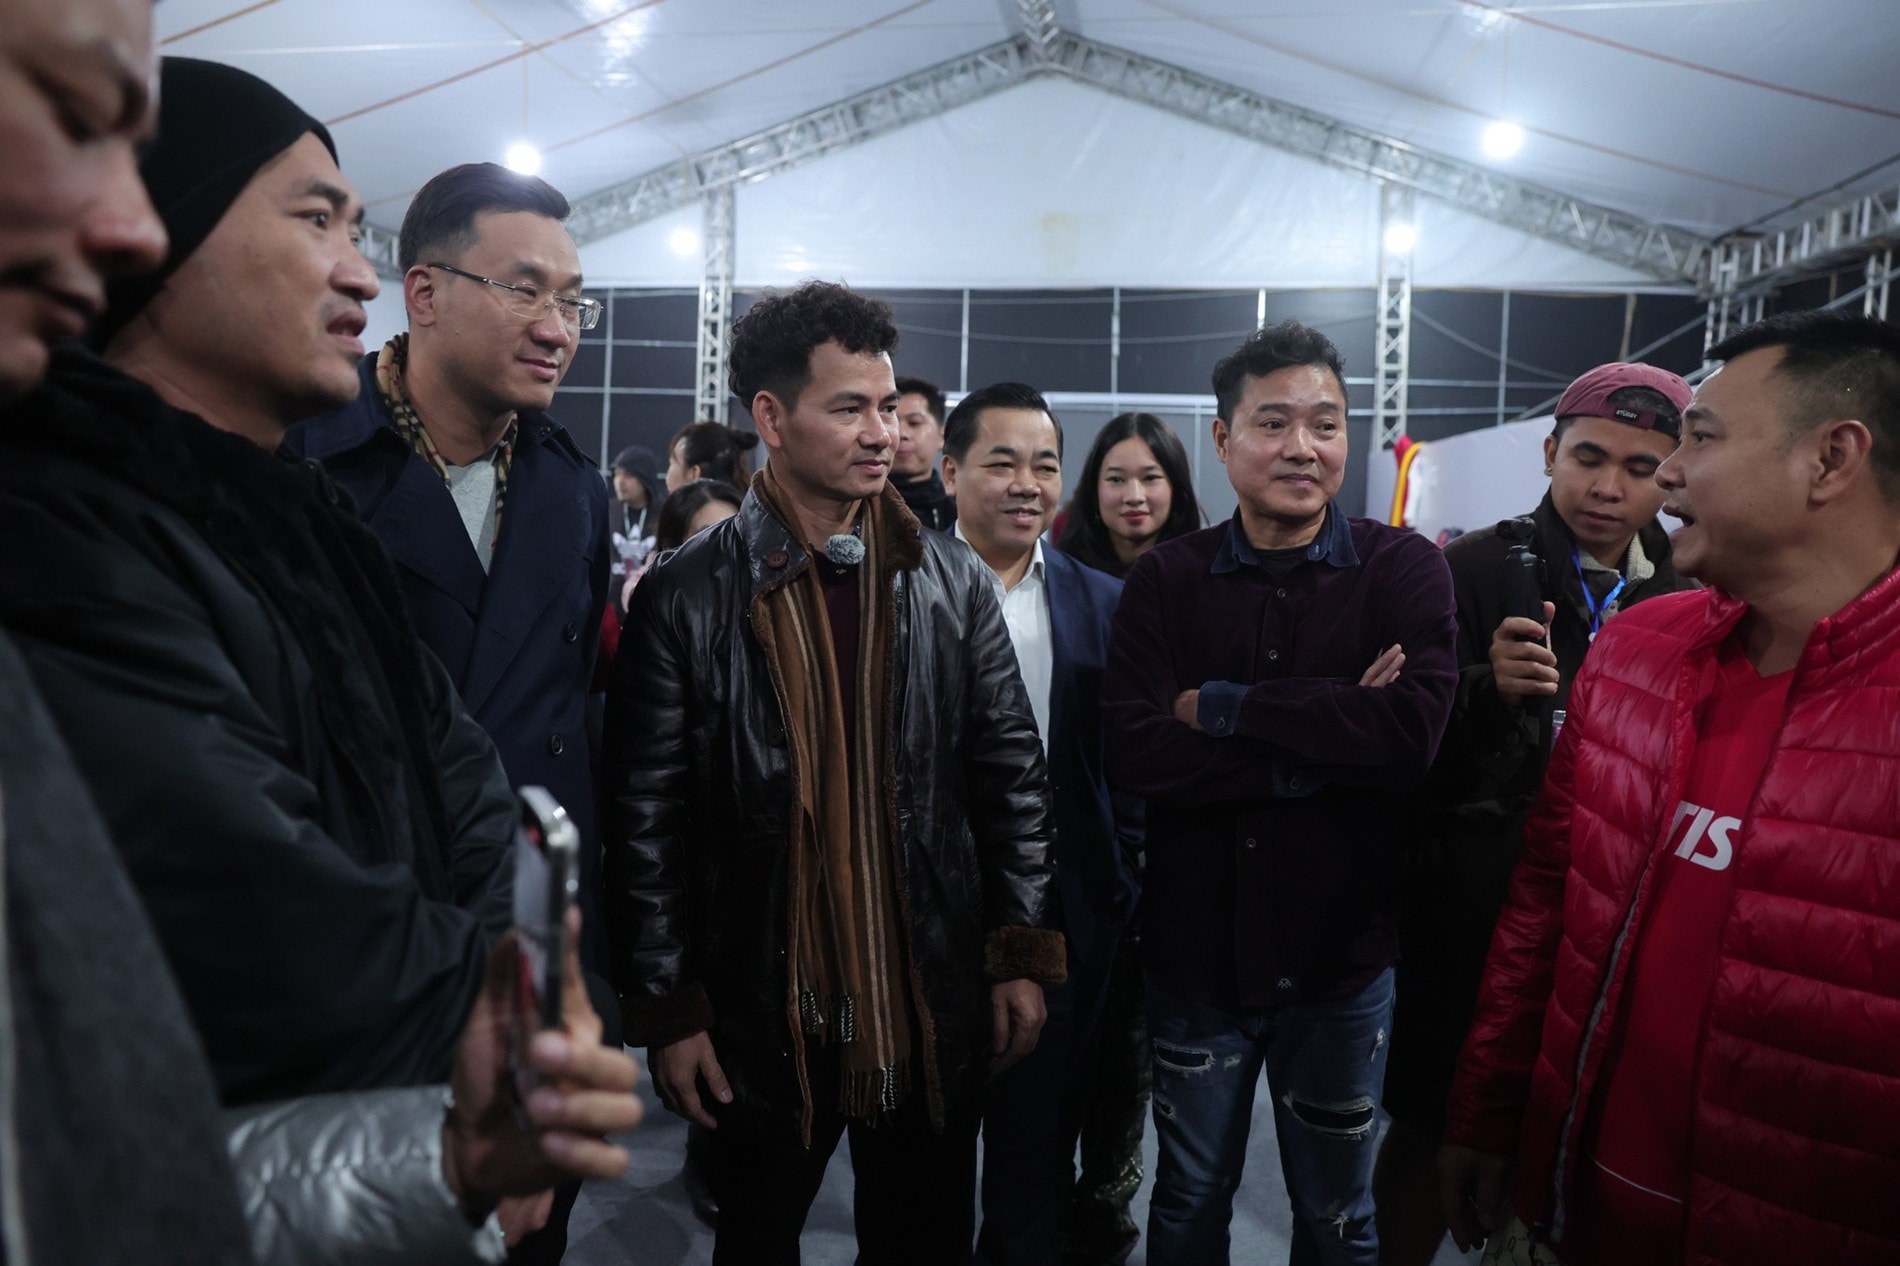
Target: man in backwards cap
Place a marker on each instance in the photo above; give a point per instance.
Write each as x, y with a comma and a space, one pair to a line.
1599, 550
316, 828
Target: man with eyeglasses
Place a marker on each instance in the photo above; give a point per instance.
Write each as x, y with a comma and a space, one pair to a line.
497, 521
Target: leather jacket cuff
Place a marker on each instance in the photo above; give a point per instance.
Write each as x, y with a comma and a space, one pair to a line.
660, 1020
1016, 953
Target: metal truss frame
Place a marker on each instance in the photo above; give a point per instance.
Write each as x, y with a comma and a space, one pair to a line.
1665, 253
715, 306
1668, 254
1392, 372
379, 247
1830, 237
888, 108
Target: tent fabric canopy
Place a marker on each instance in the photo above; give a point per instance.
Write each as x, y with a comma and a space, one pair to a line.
1703, 114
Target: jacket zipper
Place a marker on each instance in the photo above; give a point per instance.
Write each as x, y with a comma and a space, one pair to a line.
1678, 781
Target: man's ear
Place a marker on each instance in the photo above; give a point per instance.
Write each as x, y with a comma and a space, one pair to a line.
418, 294
1844, 454
949, 475
1220, 439
1550, 453
768, 415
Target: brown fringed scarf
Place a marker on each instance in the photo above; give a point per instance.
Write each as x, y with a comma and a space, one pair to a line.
850, 985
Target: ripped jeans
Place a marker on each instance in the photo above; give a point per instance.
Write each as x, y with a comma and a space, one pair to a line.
1325, 1065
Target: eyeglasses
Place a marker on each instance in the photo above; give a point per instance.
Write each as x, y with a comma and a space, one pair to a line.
534, 303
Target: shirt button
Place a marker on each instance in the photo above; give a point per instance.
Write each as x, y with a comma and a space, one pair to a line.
569, 633
1252, 843
1273, 655
1286, 982
1294, 783
556, 745
1220, 723
1279, 593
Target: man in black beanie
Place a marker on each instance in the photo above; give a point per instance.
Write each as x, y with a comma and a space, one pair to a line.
314, 825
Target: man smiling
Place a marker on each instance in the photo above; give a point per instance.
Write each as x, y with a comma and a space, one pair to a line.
497, 522
1003, 462
1274, 686
828, 885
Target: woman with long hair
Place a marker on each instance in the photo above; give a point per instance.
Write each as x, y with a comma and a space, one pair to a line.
687, 511
692, 509
709, 450
1135, 492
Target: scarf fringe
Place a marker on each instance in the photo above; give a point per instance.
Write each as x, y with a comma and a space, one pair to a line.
870, 1096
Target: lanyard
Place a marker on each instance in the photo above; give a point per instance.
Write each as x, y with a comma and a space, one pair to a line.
1595, 607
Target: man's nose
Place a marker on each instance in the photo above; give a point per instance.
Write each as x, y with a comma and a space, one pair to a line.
121, 233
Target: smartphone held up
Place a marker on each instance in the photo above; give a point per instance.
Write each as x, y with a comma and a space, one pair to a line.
547, 858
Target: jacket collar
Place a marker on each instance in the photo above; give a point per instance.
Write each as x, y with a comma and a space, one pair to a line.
1333, 546
1865, 630
1554, 543
366, 420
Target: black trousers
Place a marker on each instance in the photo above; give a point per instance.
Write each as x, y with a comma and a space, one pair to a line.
915, 1201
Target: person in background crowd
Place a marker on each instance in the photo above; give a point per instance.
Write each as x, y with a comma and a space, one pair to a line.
496, 520
1683, 1039
829, 881
701, 504
1003, 462
1138, 472
639, 492
1136, 492
1275, 685
919, 442
1599, 549
104, 1159
709, 450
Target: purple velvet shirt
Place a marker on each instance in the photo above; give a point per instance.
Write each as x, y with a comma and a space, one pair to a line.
1274, 847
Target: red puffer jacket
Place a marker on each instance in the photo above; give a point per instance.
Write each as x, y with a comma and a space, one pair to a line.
1794, 1152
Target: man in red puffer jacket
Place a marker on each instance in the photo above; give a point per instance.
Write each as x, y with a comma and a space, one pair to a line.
1688, 1039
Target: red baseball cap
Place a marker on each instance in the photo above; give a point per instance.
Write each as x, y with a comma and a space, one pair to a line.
1589, 396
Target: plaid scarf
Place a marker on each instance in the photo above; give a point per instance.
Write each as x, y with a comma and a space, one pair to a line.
391, 362
850, 986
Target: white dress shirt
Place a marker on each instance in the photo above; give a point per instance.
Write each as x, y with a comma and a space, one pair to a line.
1026, 612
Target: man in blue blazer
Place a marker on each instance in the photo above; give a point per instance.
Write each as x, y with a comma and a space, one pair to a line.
1003, 464
497, 522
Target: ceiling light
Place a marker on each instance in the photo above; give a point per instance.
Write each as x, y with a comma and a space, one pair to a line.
524, 158
1400, 239
1503, 138
684, 242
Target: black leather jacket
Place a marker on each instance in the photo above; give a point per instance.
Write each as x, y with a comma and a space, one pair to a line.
697, 770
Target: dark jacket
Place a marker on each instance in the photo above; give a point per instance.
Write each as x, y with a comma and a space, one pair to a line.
1465, 832
1274, 836
1096, 847
934, 508
698, 775
109, 1130
170, 624
519, 640
1492, 760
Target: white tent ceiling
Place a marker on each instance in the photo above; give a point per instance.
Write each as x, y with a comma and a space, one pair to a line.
1704, 114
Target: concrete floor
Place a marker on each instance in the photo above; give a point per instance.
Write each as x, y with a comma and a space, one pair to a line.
644, 1219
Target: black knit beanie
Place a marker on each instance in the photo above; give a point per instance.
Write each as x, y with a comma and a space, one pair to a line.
217, 126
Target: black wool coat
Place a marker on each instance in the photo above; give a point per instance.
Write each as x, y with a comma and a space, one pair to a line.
317, 830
